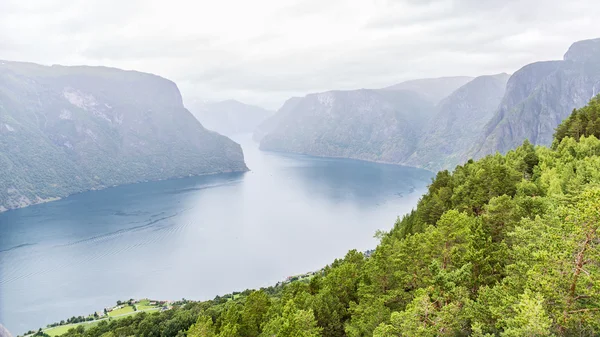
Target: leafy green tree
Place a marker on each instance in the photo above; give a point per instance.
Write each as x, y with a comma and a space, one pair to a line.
255, 309
293, 323
582, 122
530, 318
202, 328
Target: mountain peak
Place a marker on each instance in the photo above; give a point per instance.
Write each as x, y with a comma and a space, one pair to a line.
433, 89
584, 51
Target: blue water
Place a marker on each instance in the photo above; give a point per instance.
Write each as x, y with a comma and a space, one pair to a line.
195, 237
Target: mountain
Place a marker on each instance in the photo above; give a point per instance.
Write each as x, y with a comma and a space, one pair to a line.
539, 96
374, 125
270, 124
4, 332
65, 130
403, 124
459, 117
229, 117
433, 89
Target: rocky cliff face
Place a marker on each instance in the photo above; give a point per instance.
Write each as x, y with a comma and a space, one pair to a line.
375, 125
69, 129
229, 117
539, 96
459, 116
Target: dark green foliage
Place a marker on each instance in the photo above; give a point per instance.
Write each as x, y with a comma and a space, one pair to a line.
582, 122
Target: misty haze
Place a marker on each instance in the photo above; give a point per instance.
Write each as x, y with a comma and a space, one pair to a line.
299, 168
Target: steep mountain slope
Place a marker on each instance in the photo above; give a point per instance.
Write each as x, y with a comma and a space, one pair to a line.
433, 89
4, 332
270, 124
402, 124
69, 129
375, 125
539, 96
229, 117
459, 117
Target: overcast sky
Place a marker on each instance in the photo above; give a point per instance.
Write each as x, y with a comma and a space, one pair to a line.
264, 51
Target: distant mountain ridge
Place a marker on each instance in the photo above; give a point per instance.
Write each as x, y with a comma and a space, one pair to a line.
450, 131
467, 117
539, 96
434, 89
65, 130
374, 125
229, 117
383, 125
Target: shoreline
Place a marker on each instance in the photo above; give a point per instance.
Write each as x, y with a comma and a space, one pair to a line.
381, 162
52, 199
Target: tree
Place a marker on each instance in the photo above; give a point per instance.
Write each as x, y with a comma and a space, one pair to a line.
230, 320
293, 323
530, 318
202, 328
256, 307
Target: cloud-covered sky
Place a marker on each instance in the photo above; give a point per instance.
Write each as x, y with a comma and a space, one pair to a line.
265, 51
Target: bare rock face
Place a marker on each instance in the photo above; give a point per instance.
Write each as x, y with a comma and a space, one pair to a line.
70, 129
4, 332
539, 96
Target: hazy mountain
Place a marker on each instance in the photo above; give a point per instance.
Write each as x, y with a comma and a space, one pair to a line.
539, 96
434, 89
4, 332
375, 125
458, 122
271, 123
229, 117
69, 129
401, 124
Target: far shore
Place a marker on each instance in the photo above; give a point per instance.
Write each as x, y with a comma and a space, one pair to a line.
99, 188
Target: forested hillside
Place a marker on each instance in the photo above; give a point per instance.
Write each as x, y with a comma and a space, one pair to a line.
505, 246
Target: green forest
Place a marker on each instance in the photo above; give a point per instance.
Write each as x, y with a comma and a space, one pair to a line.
505, 246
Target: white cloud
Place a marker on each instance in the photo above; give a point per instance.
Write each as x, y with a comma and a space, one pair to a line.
263, 51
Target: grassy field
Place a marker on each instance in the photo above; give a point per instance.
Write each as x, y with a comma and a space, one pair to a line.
144, 305
59, 330
118, 312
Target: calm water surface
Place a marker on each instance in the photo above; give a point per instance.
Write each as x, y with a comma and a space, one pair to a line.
194, 237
